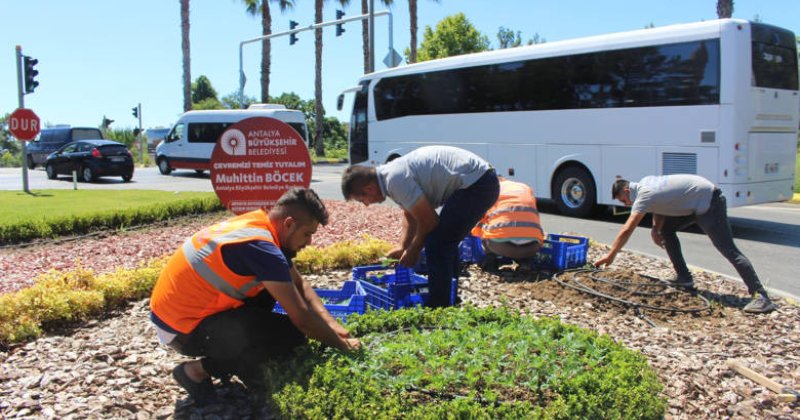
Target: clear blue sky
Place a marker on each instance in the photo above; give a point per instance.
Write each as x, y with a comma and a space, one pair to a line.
103, 57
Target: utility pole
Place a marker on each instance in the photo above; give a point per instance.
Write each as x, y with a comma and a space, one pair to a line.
24, 149
137, 113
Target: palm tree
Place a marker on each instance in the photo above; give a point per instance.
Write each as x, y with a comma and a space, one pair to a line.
724, 8
319, 147
412, 14
261, 7
187, 63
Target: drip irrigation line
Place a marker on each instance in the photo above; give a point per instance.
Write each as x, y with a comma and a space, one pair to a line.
581, 287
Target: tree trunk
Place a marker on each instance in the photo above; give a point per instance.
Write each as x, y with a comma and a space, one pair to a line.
412, 47
319, 145
185, 50
266, 50
724, 8
365, 34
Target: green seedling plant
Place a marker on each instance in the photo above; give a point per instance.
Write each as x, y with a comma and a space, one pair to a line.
467, 363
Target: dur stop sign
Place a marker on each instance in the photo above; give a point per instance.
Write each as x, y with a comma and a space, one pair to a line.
255, 161
23, 124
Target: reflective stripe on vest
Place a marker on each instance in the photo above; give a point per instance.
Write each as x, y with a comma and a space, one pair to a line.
196, 259
512, 209
502, 225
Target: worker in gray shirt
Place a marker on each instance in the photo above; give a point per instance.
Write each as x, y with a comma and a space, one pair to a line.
459, 181
676, 202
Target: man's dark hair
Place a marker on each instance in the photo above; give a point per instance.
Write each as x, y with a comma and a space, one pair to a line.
619, 186
302, 204
355, 178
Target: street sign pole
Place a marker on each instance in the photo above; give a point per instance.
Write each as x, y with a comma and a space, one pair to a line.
22, 105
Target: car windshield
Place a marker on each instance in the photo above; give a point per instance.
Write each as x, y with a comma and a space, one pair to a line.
113, 149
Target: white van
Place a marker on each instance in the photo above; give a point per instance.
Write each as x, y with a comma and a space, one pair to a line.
191, 141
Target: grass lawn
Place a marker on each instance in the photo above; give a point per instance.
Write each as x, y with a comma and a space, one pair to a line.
17, 206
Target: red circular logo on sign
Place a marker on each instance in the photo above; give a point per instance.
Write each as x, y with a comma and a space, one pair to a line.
255, 161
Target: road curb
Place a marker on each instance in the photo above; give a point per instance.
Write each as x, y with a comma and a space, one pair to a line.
328, 161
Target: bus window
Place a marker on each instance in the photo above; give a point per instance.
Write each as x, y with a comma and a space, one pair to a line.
358, 127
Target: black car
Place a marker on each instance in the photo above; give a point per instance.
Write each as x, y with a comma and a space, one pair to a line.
51, 139
91, 159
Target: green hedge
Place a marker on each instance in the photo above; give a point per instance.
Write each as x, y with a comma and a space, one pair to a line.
50, 227
467, 363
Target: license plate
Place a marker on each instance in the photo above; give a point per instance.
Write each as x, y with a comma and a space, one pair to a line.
118, 159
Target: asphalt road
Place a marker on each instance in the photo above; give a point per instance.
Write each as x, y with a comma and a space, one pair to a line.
769, 234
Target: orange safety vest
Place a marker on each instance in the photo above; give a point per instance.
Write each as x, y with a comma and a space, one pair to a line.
196, 283
514, 215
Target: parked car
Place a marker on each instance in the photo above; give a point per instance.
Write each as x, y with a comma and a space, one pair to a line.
91, 159
51, 139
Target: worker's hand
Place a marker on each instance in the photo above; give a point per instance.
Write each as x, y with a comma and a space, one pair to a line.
409, 258
657, 238
605, 261
395, 253
341, 331
352, 344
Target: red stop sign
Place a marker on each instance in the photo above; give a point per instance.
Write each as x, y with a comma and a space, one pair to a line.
23, 124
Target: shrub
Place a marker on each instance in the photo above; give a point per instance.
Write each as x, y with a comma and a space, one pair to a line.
466, 363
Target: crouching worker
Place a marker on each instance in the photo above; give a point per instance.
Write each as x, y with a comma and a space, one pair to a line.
215, 297
678, 201
511, 227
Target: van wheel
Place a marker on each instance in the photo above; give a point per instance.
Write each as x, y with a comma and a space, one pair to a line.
574, 192
163, 166
127, 178
31, 163
51, 171
199, 171
87, 174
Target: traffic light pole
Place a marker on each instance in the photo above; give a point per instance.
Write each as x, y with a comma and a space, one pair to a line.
370, 16
24, 149
142, 146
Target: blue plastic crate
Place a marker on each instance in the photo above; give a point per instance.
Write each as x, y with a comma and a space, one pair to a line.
560, 252
350, 299
470, 250
401, 289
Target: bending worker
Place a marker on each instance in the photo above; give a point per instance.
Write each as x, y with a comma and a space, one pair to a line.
214, 298
460, 182
511, 228
677, 201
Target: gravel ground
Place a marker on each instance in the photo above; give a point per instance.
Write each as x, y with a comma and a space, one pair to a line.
114, 367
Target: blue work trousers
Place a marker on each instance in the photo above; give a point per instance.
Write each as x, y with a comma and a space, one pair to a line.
459, 215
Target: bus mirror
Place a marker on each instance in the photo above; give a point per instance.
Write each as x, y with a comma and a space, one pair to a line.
340, 102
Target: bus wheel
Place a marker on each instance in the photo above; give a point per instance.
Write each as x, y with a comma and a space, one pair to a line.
163, 166
574, 192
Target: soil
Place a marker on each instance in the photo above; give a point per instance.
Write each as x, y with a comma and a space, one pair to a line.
115, 368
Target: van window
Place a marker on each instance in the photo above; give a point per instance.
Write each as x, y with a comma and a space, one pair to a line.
86, 134
175, 134
206, 132
301, 129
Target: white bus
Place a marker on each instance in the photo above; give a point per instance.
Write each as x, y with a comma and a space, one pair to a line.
718, 99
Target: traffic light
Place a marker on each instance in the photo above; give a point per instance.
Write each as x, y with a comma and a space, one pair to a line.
135, 111
30, 73
106, 122
339, 28
292, 37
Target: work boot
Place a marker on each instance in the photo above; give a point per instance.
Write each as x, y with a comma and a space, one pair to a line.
681, 282
202, 393
760, 304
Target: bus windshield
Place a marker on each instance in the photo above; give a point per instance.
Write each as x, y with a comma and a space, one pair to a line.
774, 58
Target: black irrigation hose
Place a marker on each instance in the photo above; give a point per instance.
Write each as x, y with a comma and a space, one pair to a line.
636, 305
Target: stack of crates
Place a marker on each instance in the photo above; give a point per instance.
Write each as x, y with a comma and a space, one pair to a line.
350, 299
400, 287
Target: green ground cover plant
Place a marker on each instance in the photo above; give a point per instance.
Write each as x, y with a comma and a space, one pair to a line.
51, 213
62, 298
466, 363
